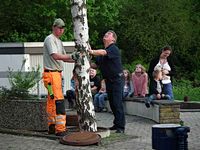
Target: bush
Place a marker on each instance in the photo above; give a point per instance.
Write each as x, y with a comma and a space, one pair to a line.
131, 67
184, 88
21, 82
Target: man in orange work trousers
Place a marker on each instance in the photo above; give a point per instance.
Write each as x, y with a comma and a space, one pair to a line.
53, 56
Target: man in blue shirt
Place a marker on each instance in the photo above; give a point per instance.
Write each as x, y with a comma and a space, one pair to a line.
109, 62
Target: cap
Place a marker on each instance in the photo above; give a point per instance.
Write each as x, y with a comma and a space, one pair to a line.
59, 23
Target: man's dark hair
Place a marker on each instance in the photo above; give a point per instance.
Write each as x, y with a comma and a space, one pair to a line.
167, 47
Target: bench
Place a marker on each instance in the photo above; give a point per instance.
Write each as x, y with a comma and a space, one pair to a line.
163, 111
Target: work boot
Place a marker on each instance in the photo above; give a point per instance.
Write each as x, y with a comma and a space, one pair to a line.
120, 131
63, 133
113, 127
51, 129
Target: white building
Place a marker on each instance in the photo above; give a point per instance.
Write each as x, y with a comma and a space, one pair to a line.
12, 55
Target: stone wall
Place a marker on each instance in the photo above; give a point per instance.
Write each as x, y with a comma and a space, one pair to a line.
169, 112
23, 114
163, 111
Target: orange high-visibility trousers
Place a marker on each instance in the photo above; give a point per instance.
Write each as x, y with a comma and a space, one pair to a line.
55, 107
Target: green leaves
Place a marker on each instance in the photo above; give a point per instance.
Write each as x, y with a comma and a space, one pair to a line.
31, 21
184, 88
147, 25
142, 26
102, 16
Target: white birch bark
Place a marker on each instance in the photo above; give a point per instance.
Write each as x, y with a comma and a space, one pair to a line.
84, 101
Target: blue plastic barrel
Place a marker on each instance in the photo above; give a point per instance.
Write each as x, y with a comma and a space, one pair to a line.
164, 136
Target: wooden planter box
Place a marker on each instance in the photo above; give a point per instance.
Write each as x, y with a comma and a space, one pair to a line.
23, 114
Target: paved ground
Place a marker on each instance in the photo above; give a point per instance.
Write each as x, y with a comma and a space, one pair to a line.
138, 136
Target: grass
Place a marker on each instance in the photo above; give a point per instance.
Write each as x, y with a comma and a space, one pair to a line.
181, 91
115, 137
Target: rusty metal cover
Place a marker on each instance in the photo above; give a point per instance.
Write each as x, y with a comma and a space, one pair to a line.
81, 139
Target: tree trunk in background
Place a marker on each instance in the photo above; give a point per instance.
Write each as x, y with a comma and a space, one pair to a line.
84, 101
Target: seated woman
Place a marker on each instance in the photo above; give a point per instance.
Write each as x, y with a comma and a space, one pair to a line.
140, 81
99, 98
157, 88
70, 94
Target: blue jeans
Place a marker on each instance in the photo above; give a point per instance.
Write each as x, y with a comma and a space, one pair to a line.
153, 97
125, 94
167, 90
99, 100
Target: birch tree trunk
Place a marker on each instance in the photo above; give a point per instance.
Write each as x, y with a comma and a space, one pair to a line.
84, 101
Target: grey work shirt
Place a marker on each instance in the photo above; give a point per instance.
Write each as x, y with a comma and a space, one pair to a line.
52, 45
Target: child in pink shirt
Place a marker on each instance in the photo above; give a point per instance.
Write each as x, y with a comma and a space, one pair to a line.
140, 81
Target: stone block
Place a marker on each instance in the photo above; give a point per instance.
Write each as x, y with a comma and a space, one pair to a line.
171, 115
169, 109
171, 120
23, 114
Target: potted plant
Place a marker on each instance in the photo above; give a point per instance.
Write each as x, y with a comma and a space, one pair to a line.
19, 108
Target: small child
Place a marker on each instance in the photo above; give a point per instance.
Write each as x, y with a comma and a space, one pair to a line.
156, 88
140, 81
165, 78
166, 81
99, 98
127, 84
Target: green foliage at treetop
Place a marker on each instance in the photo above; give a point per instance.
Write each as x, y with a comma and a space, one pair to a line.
31, 20
148, 25
143, 27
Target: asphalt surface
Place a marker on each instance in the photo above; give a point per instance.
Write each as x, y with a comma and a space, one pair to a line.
137, 136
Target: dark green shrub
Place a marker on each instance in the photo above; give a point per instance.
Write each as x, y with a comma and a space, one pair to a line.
184, 88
